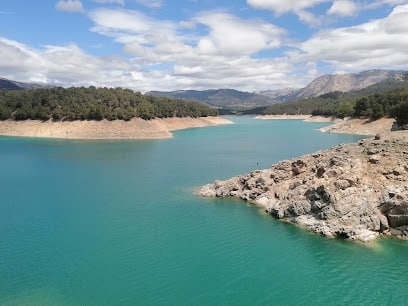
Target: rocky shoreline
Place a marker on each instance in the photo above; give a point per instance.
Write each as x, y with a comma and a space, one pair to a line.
356, 191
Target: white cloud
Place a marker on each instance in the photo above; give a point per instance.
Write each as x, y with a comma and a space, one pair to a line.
107, 20
121, 2
298, 7
193, 60
232, 36
17, 59
375, 44
151, 3
391, 2
309, 18
210, 50
378, 3
166, 55
284, 6
68, 66
304, 8
228, 35
343, 8
74, 6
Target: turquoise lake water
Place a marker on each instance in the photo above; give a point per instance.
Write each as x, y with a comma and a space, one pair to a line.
117, 223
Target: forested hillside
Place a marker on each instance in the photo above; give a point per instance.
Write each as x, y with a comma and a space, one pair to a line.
225, 98
79, 103
386, 94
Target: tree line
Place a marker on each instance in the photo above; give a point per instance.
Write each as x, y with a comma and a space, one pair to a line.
392, 103
91, 103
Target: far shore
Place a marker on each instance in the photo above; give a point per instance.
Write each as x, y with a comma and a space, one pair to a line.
308, 118
106, 130
358, 126
162, 128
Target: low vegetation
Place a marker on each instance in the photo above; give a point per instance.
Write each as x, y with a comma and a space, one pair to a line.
80, 103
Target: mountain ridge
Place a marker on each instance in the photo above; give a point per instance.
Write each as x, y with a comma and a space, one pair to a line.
224, 98
16, 85
234, 99
346, 82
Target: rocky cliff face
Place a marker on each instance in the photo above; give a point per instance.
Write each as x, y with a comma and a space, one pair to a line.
281, 95
355, 191
346, 82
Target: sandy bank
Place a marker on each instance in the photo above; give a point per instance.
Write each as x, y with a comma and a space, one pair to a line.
361, 126
307, 118
280, 117
134, 129
355, 126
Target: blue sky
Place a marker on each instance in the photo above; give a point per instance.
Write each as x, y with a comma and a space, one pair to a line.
248, 45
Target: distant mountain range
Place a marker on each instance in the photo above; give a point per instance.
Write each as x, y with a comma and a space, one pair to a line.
224, 98
14, 85
347, 82
234, 99
239, 100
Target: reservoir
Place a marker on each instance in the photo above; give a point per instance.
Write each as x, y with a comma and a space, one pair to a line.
118, 223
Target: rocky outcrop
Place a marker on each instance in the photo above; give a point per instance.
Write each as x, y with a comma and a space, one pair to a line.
346, 82
355, 191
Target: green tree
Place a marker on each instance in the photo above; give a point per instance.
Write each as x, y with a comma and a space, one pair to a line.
345, 109
400, 113
146, 110
5, 112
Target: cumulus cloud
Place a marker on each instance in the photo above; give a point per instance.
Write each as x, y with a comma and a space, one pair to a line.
210, 50
375, 44
391, 2
71, 66
298, 7
121, 2
74, 6
165, 55
378, 3
230, 35
343, 8
192, 59
151, 3
284, 6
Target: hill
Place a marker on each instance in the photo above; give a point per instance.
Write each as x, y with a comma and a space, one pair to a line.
239, 100
343, 103
281, 95
14, 85
223, 98
354, 84
346, 82
80, 103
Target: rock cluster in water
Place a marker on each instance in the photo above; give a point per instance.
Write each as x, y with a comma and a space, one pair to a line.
355, 191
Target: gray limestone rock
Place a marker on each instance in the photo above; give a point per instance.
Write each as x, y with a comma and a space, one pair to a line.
350, 191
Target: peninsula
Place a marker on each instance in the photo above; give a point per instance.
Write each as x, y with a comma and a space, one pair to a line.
356, 191
135, 128
98, 113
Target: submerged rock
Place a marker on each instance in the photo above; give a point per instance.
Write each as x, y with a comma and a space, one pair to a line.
356, 191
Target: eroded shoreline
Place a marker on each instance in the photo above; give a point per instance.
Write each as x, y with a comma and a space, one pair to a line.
106, 130
356, 191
